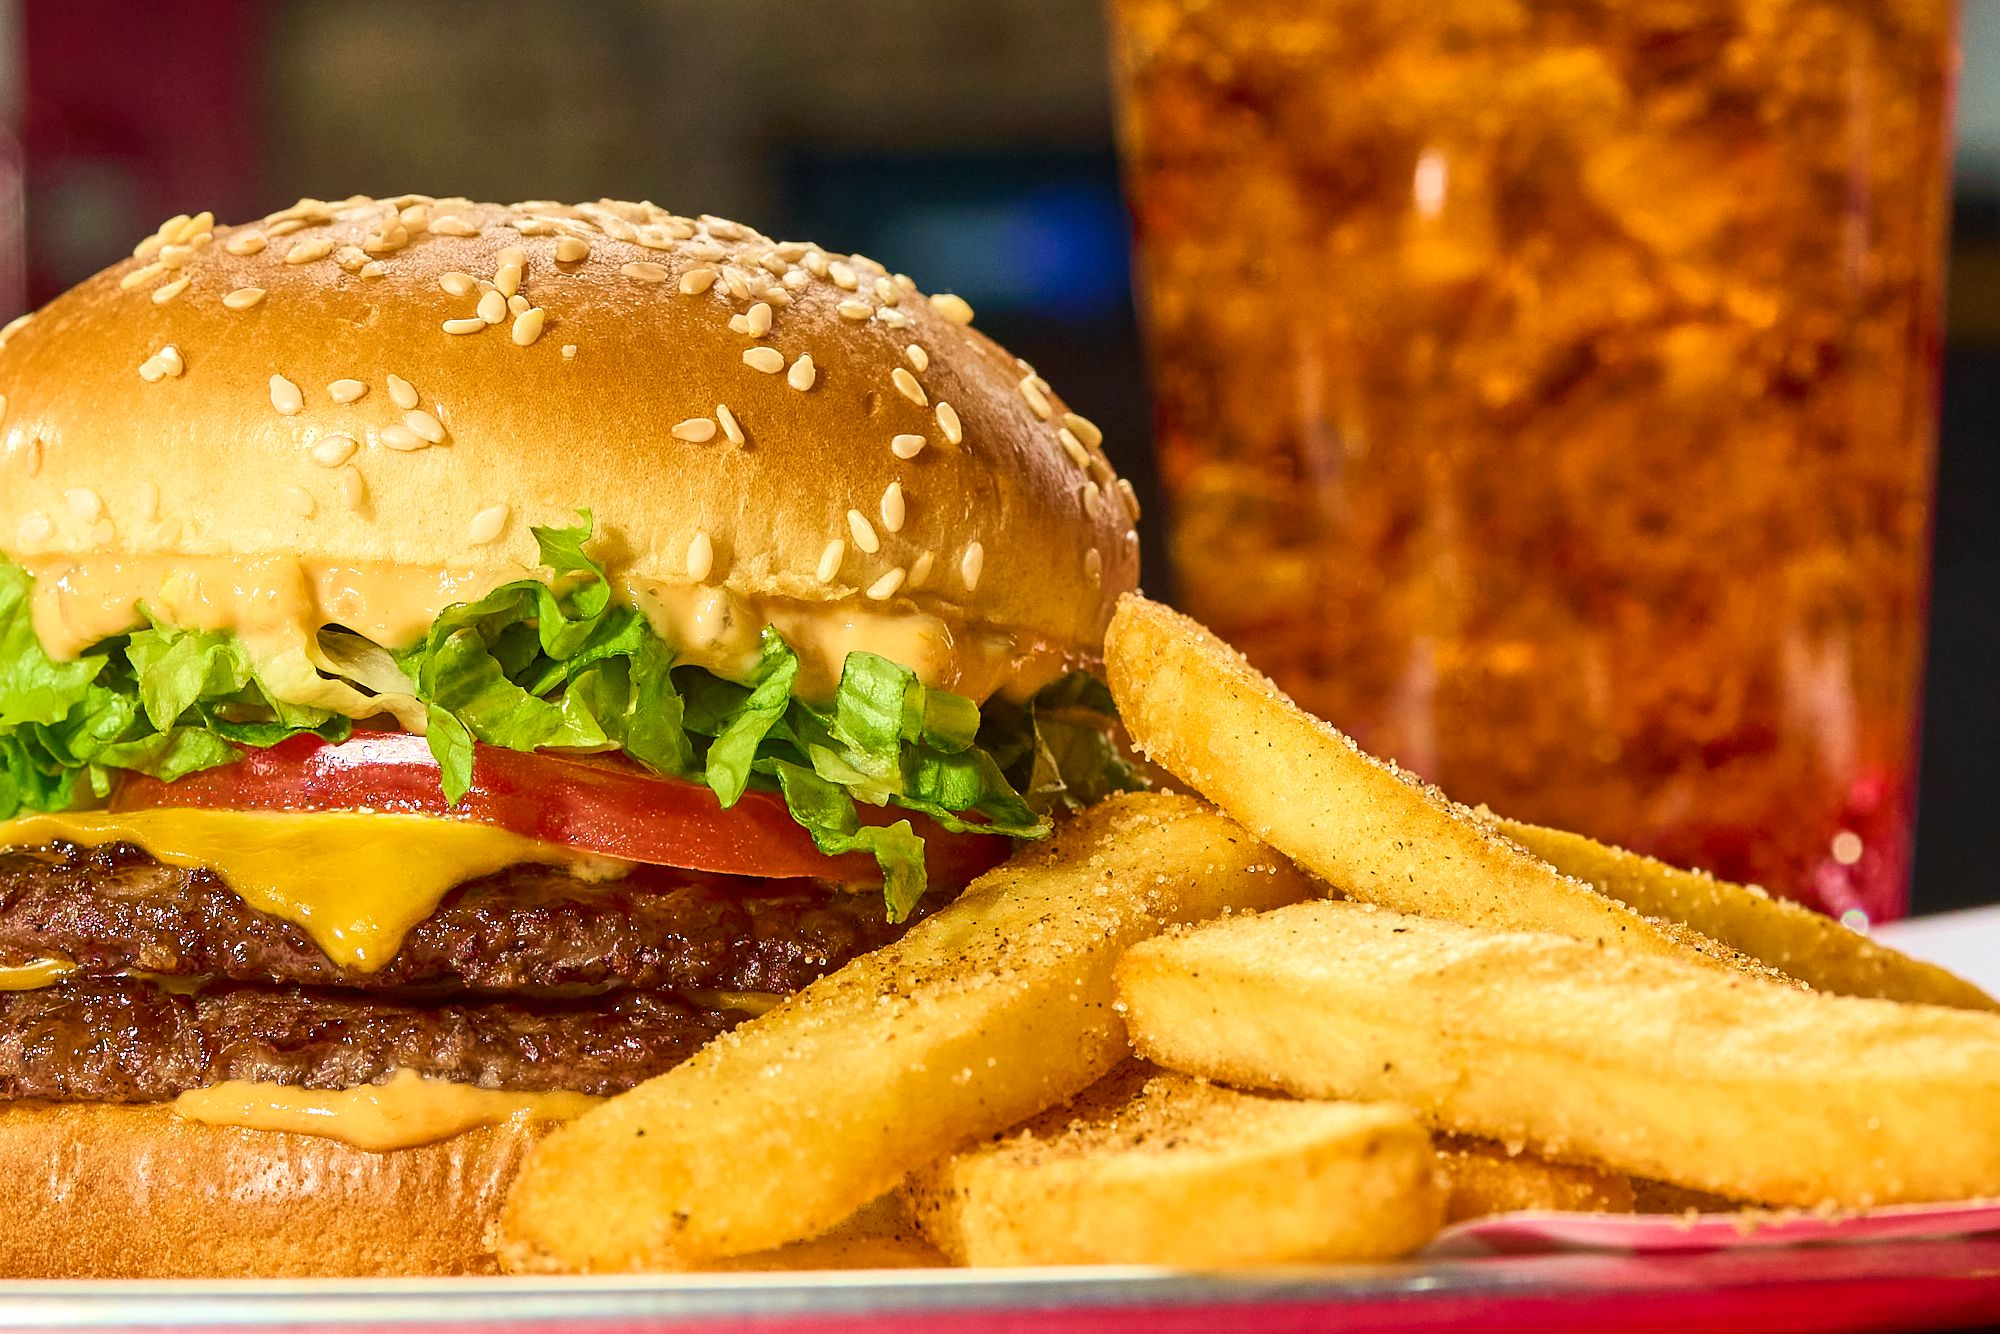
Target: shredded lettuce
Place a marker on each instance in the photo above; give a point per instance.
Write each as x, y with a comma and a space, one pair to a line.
562, 665
159, 701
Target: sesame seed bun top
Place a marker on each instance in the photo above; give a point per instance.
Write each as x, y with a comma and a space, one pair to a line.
414, 382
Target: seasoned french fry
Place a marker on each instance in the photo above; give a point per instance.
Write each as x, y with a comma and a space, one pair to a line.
1152, 1168
988, 1012
1793, 939
1484, 1178
1194, 706
1652, 1066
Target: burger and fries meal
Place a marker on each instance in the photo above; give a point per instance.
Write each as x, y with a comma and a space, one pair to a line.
584, 739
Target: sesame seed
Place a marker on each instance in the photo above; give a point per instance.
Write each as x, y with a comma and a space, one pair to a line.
696, 281
972, 565
815, 263
697, 429
305, 252
425, 425
36, 529
894, 507
145, 273
646, 271
568, 351
416, 217
706, 250
895, 319
758, 318
617, 228
285, 396
1129, 496
299, 501
855, 310
843, 276
918, 357
829, 561
766, 359
330, 451
456, 283
402, 393
739, 324
149, 502
175, 256
738, 287
168, 291
528, 325
570, 249
493, 307
802, 374
374, 268
1093, 566
285, 227
906, 385
511, 257
730, 427
885, 588
1032, 389
243, 298
920, 571
654, 238
508, 279
346, 391
700, 557
1074, 448
948, 423
451, 225
778, 296
466, 326
953, 308
886, 293
775, 264
151, 370
907, 446
244, 243
486, 525
353, 491
402, 439
84, 503
1093, 499
864, 532
517, 303
796, 279
351, 257
170, 360
1086, 429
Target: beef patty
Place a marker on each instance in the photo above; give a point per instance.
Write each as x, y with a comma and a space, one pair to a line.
123, 1039
528, 979
528, 927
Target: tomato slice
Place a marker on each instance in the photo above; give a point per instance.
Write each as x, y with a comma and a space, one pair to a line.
597, 803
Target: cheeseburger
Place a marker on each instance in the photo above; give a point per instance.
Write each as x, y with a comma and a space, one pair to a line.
455, 660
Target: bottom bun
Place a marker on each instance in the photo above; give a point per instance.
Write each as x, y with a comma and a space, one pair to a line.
95, 1190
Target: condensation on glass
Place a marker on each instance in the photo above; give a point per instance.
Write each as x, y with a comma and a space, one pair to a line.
1547, 395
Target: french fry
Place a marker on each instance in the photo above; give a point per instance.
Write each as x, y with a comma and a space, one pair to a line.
1152, 1168
1651, 1066
1795, 940
878, 1235
984, 1014
1372, 831
1482, 1177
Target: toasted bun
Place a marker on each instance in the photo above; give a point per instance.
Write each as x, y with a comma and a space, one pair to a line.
100, 1191
112, 444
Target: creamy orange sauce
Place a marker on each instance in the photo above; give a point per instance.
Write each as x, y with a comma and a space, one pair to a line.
402, 1113
277, 605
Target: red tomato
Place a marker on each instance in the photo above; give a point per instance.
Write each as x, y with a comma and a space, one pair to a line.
602, 804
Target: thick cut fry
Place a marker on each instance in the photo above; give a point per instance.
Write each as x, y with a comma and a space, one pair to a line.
983, 1015
1483, 1178
1651, 1066
1372, 831
1152, 1168
1795, 940
878, 1235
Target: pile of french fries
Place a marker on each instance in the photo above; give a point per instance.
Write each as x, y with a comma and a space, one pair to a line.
1315, 1016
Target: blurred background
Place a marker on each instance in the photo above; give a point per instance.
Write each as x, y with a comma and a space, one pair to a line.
966, 142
